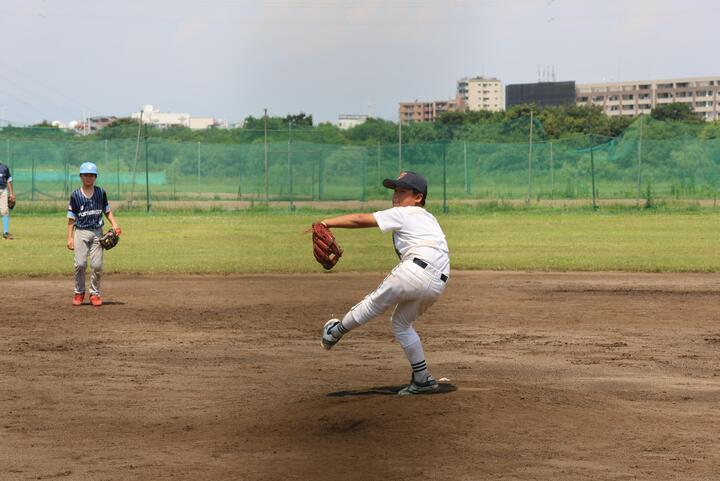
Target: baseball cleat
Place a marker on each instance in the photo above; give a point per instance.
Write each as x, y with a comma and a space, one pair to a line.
78, 299
96, 301
427, 387
327, 340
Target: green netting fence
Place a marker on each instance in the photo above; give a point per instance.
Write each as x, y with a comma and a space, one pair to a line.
675, 164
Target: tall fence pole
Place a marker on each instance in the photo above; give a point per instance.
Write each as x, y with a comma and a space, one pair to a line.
639, 163
32, 190
364, 176
400, 159
321, 178
445, 206
198, 169
240, 174
552, 174
137, 153
117, 176
592, 171
147, 173
467, 184
377, 183
530, 151
267, 192
289, 161
66, 186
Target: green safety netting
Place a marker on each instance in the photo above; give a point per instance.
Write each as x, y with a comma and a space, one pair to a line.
479, 161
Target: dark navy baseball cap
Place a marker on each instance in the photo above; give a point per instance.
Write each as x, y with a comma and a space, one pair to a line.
409, 180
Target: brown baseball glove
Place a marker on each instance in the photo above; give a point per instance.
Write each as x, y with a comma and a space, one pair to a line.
11, 203
326, 250
109, 240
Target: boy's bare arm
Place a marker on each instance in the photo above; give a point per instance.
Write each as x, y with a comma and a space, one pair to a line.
351, 221
70, 241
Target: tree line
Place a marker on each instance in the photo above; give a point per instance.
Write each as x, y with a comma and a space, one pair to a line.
510, 126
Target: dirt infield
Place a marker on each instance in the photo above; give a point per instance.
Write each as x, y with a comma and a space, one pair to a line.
551, 377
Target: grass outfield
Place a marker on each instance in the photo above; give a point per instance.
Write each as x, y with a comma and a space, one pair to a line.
247, 242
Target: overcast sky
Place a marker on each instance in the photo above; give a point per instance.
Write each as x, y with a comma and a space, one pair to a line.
231, 58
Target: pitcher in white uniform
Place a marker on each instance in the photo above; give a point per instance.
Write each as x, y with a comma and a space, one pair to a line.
413, 285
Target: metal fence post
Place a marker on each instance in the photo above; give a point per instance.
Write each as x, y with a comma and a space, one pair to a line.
198, 169
530, 153
592, 170
364, 175
444, 157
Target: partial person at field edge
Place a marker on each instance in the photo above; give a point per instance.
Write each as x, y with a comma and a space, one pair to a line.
6, 194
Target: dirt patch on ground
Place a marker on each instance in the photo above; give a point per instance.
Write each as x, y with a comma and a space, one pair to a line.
551, 377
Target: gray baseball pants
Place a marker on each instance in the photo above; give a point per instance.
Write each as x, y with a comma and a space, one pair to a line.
87, 242
4, 196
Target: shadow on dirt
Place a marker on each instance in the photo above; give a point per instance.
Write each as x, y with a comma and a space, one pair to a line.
389, 391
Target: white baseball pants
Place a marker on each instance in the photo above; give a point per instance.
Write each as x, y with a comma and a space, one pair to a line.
408, 287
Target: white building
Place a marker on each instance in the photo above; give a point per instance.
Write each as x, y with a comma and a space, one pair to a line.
153, 116
481, 93
348, 121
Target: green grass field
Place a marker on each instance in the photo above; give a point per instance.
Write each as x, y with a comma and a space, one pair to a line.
256, 241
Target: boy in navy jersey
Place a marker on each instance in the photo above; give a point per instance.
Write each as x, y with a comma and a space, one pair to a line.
85, 220
6, 193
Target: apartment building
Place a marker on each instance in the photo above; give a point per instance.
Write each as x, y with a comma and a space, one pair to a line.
640, 97
425, 111
481, 93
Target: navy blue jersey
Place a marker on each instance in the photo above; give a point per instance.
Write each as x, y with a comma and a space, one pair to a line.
88, 212
5, 176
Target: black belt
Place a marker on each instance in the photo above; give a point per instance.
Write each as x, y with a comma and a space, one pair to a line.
424, 264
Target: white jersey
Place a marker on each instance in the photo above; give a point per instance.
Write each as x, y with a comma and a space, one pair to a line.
416, 233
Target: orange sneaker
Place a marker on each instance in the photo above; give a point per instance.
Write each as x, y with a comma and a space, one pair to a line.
78, 299
96, 301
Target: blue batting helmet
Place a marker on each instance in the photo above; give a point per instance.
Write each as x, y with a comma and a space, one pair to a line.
88, 168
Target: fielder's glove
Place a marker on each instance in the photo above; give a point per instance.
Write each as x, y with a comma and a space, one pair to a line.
110, 239
11, 202
326, 250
